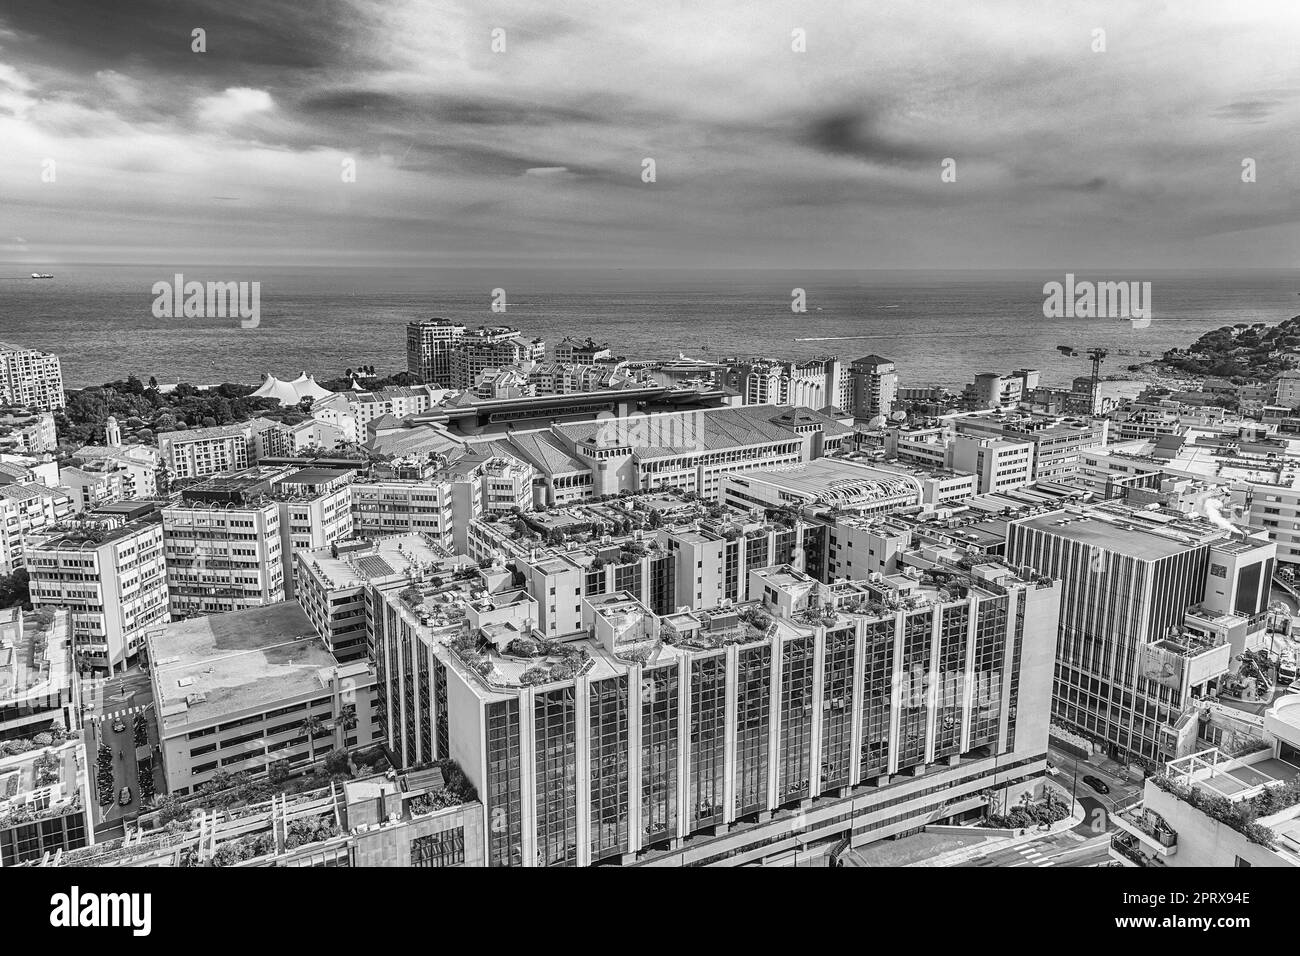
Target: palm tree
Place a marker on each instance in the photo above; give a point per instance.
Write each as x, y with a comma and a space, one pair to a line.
312, 725
347, 720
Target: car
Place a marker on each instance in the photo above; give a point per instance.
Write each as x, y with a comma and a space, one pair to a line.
124, 797
1096, 784
1051, 770
118, 726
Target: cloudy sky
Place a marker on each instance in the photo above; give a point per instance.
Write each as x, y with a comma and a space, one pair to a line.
765, 157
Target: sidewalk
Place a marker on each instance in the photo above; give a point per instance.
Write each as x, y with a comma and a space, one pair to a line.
995, 844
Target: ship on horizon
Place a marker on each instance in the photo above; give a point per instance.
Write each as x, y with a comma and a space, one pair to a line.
42, 275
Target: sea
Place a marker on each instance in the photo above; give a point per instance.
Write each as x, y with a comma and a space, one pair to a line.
938, 327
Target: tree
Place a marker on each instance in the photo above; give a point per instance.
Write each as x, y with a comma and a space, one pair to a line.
14, 590
312, 725
347, 720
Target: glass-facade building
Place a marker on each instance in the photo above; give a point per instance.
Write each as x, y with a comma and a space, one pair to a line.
638, 755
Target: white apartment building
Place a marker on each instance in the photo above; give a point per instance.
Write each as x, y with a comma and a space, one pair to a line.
439, 506
198, 452
26, 510
112, 578
1000, 465
30, 378
223, 556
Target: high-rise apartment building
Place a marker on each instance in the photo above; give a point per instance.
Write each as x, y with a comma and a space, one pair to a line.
874, 387
430, 344
495, 347
30, 378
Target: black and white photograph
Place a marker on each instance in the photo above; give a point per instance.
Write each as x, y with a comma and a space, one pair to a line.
785, 434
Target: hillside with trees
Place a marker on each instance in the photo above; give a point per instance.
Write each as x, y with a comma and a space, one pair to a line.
1243, 352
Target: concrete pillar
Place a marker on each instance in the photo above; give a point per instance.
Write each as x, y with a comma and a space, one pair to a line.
859, 702
582, 725
899, 686
819, 687
729, 754
968, 673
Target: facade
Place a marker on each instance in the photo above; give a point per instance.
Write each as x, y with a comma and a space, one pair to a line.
486, 348
1058, 441
26, 511
315, 511
198, 452
815, 383
30, 378
242, 690
831, 483
669, 740
430, 344
39, 684
45, 803
1127, 667
572, 351
27, 432
874, 387
112, 576
333, 582
999, 464
440, 506
223, 555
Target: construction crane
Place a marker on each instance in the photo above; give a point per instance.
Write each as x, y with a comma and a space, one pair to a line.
1096, 355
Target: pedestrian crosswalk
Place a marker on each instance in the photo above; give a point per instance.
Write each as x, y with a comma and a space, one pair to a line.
124, 712
1034, 856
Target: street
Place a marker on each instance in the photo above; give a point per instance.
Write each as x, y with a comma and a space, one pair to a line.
119, 702
1062, 849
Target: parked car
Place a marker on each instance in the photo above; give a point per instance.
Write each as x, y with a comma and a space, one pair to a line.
124, 797
1096, 784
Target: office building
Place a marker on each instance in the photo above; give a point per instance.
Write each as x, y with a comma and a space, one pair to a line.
224, 546
669, 740
111, 574
333, 583
1132, 582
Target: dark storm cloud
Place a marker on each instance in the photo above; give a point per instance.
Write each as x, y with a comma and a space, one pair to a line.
832, 154
1248, 111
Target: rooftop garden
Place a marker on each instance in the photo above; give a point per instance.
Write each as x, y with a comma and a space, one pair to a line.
55, 736
233, 792
1242, 814
456, 790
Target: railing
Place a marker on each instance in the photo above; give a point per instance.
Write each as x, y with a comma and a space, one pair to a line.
1127, 850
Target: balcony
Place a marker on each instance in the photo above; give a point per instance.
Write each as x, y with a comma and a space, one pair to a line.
1148, 828
1124, 847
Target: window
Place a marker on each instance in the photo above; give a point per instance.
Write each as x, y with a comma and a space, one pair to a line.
439, 849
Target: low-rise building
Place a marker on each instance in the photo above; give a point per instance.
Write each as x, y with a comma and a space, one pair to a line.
45, 803
39, 684
242, 690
